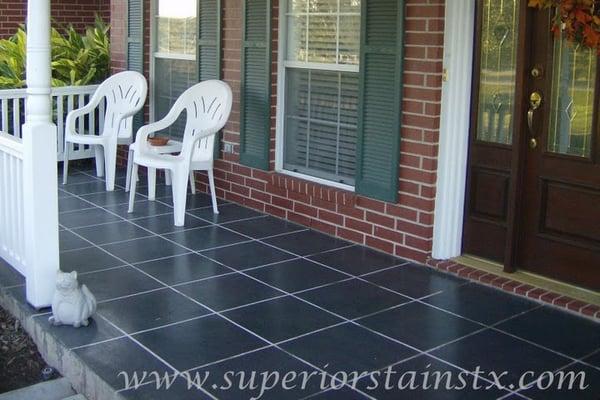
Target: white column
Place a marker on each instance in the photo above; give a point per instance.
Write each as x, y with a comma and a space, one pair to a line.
40, 162
454, 129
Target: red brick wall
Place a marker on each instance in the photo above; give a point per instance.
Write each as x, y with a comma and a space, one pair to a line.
79, 13
405, 228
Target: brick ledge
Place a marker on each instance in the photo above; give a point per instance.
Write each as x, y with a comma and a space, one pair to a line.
521, 289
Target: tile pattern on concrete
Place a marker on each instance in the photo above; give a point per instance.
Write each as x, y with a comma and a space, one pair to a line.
246, 292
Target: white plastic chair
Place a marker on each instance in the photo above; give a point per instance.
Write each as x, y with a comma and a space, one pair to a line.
207, 105
125, 95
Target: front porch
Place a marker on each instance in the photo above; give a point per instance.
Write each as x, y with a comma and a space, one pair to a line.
248, 292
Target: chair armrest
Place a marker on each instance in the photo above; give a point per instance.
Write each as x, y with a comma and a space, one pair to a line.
145, 131
77, 113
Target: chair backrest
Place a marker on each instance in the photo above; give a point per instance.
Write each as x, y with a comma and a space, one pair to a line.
125, 93
207, 105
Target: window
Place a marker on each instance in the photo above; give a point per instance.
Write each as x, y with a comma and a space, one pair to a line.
174, 56
320, 69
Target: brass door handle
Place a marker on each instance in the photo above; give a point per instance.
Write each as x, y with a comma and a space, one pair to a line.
535, 101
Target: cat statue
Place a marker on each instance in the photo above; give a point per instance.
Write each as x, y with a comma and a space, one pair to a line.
72, 304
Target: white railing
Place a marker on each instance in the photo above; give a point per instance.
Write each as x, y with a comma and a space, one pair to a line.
64, 100
12, 227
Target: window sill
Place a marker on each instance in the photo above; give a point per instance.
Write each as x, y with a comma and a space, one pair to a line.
314, 179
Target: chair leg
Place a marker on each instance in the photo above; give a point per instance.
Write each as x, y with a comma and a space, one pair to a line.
133, 188
167, 177
99, 151
66, 162
110, 164
129, 166
193, 181
213, 192
151, 184
179, 188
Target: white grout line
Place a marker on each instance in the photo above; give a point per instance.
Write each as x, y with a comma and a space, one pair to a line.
358, 277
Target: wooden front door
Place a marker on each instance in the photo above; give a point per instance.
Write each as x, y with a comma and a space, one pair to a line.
533, 200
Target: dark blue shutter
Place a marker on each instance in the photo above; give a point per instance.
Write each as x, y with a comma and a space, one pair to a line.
209, 47
135, 47
255, 97
380, 99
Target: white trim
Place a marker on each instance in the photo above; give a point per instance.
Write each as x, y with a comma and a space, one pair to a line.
174, 56
454, 129
321, 66
314, 179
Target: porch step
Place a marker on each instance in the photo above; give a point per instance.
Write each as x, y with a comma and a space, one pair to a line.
56, 389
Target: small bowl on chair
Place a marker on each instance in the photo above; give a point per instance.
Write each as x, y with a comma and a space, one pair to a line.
158, 141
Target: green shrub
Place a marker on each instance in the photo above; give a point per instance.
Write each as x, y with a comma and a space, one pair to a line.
76, 59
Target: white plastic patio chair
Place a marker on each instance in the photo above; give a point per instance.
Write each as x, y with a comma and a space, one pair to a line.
207, 105
125, 95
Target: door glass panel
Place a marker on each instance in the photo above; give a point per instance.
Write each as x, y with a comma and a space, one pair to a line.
572, 103
499, 34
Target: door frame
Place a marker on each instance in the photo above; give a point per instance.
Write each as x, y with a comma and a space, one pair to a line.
455, 128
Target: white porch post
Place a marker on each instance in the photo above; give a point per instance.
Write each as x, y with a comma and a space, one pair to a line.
40, 162
454, 129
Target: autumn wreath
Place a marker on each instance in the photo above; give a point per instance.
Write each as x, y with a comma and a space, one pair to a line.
577, 20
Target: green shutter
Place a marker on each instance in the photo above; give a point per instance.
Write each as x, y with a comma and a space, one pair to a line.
380, 97
255, 96
135, 47
209, 47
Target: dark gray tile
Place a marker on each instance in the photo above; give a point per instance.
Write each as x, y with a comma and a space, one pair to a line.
142, 209
118, 196
549, 327
117, 282
84, 188
247, 255
295, 275
184, 268
87, 260
593, 359
306, 242
420, 371
415, 280
224, 292
72, 203
419, 325
343, 393
193, 201
139, 250
150, 310
76, 177
178, 389
353, 299
348, 348
227, 213
77, 219
111, 233
268, 226
205, 238
70, 241
282, 318
270, 361
162, 224
198, 342
9, 276
357, 260
481, 303
108, 359
494, 351
98, 330
585, 385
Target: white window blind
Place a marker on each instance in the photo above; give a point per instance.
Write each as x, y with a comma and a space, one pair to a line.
321, 74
